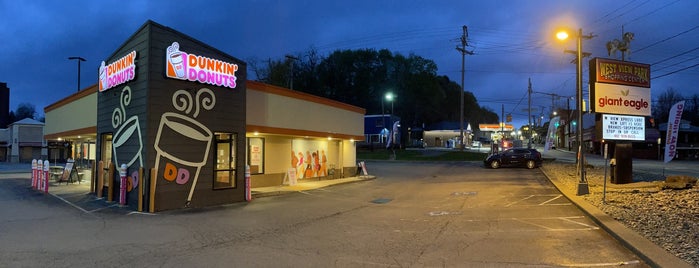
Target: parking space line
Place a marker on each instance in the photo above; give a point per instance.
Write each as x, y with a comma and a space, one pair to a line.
550, 200
579, 223
515, 202
531, 223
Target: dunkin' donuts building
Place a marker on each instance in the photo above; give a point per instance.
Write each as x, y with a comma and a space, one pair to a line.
183, 119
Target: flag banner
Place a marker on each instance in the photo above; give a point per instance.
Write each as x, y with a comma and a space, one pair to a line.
551, 134
673, 127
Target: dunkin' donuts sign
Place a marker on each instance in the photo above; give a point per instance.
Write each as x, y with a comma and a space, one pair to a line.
191, 67
118, 72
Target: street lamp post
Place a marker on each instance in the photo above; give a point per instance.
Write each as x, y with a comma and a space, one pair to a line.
389, 97
291, 72
79, 59
582, 184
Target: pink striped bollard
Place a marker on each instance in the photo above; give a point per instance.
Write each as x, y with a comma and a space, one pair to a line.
34, 173
46, 176
39, 175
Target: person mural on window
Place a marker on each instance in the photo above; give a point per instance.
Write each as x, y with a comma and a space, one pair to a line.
316, 164
300, 166
323, 164
308, 171
294, 160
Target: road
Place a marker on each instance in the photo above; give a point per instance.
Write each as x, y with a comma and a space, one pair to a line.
657, 167
412, 215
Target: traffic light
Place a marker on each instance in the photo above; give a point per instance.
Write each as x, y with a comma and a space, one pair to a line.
509, 117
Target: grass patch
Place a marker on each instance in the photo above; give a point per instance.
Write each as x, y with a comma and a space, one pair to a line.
421, 155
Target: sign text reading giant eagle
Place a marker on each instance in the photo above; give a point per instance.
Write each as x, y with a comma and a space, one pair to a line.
188, 66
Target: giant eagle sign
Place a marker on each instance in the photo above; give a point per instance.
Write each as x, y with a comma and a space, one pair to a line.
620, 87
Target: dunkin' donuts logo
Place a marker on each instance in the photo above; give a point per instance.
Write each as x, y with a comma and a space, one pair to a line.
191, 67
118, 72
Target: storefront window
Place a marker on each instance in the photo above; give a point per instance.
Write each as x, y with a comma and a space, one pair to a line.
224, 173
256, 155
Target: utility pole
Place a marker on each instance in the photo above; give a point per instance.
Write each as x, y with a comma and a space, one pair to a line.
529, 127
462, 49
502, 125
568, 122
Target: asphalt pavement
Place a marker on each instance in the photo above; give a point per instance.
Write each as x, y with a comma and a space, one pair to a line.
78, 196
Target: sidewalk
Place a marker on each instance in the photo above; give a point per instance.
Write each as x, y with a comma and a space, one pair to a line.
78, 194
305, 186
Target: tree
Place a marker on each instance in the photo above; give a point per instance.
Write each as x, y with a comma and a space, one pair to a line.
665, 101
362, 78
24, 110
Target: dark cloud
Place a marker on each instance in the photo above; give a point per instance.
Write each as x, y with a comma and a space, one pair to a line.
512, 40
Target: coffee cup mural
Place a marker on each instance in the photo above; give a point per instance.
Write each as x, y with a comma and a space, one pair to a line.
127, 136
183, 131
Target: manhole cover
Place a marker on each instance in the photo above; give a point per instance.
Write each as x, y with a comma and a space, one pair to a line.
381, 200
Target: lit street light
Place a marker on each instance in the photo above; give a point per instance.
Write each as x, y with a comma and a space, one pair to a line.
389, 97
79, 60
562, 35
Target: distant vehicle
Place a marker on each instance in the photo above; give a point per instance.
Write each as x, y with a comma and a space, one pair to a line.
505, 144
522, 157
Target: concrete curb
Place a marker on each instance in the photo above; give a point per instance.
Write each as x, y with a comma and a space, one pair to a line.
305, 186
651, 253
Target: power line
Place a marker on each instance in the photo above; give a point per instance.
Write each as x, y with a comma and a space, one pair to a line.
666, 39
675, 71
683, 53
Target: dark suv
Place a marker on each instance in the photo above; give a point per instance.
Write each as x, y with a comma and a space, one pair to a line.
523, 157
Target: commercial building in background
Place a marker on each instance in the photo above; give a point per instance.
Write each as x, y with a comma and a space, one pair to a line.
184, 111
22, 141
4, 105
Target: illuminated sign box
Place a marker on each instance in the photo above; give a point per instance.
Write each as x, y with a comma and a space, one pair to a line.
620, 87
495, 127
118, 72
621, 99
621, 127
188, 66
621, 72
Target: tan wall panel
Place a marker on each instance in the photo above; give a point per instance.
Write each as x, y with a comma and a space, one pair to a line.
78, 114
349, 156
271, 110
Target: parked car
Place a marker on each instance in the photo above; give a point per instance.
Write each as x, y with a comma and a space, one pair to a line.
523, 157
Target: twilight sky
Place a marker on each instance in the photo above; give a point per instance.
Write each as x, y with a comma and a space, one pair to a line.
512, 40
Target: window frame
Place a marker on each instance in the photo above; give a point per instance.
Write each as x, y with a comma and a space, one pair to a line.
232, 159
249, 155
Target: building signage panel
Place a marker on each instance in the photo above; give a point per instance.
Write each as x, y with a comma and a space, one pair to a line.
188, 66
621, 99
620, 127
118, 72
622, 72
495, 127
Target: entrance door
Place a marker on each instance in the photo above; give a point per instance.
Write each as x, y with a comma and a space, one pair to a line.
106, 157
